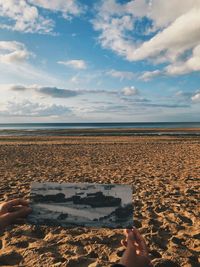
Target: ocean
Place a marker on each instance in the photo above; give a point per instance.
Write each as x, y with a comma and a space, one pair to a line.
107, 128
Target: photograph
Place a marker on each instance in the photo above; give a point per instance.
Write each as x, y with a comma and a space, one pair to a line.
81, 204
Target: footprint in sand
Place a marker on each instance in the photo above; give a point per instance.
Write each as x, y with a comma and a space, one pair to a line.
21, 244
164, 263
38, 232
10, 258
79, 261
177, 240
185, 219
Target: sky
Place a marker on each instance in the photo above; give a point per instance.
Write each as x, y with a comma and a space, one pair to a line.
99, 61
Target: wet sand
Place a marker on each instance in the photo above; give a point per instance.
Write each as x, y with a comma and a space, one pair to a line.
102, 132
164, 172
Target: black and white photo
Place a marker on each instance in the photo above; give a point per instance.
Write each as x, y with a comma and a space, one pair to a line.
82, 204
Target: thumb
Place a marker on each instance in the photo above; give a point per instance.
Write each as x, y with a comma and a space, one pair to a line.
131, 241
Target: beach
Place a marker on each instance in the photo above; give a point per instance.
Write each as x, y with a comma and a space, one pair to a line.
164, 172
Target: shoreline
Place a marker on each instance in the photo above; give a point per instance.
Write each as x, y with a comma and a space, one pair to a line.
102, 132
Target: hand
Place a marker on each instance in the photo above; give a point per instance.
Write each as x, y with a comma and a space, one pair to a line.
136, 253
13, 210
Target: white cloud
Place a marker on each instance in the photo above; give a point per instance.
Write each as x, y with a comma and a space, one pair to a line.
189, 65
130, 91
13, 52
113, 33
27, 108
68, 8
122, 75
173, 41
196, 98
162, 13
25, 16
175, 29
148, 75
74, 63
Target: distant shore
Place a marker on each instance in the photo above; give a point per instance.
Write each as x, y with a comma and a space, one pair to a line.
102, 132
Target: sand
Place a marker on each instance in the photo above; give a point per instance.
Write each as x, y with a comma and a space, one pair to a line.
163, 171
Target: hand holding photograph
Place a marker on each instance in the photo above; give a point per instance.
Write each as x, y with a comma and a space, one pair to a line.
82, 204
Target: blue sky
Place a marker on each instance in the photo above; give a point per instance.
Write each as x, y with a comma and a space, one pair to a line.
106, 60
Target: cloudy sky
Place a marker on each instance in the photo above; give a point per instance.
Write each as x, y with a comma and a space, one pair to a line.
106, 60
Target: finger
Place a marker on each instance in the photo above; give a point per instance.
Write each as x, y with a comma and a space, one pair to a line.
21, 213
5, 207
141, 242
131, 242
124, 243
16, 208
127, 231
17, 202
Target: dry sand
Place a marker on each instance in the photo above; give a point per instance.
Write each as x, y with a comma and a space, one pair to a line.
163, 171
